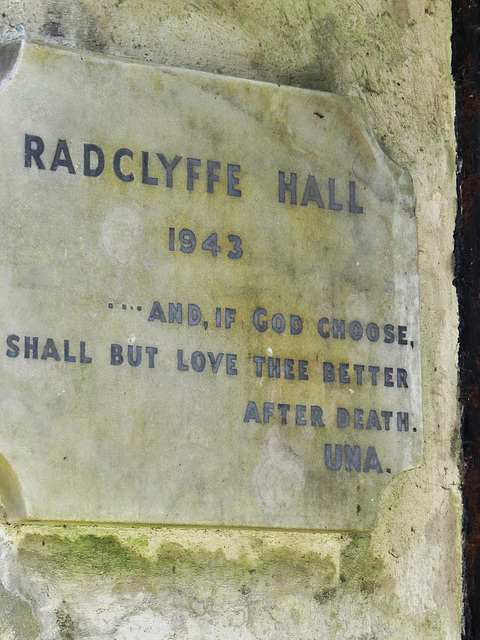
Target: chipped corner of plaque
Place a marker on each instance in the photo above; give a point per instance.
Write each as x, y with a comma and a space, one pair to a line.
406, 194
10, 56
391, 182
12, 500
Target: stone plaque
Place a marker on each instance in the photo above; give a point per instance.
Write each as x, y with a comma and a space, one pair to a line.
209, 300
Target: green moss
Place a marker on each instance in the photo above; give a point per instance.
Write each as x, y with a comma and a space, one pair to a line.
279, 569
361, 569
84, 554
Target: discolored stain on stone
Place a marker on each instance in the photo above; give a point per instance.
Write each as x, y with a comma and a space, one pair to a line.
17, 618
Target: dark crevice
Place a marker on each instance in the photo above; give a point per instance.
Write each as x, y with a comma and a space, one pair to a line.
466, 73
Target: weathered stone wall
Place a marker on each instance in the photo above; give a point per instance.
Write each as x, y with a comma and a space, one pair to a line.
404, 579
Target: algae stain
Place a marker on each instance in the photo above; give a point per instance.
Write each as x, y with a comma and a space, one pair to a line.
106, 560
83, 554
360, 568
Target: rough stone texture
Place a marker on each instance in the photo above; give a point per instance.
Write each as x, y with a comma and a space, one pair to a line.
402, 581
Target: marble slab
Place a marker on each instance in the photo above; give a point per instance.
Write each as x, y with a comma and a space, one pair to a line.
209, 300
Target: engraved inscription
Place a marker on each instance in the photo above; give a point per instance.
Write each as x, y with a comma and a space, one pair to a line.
209, 300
